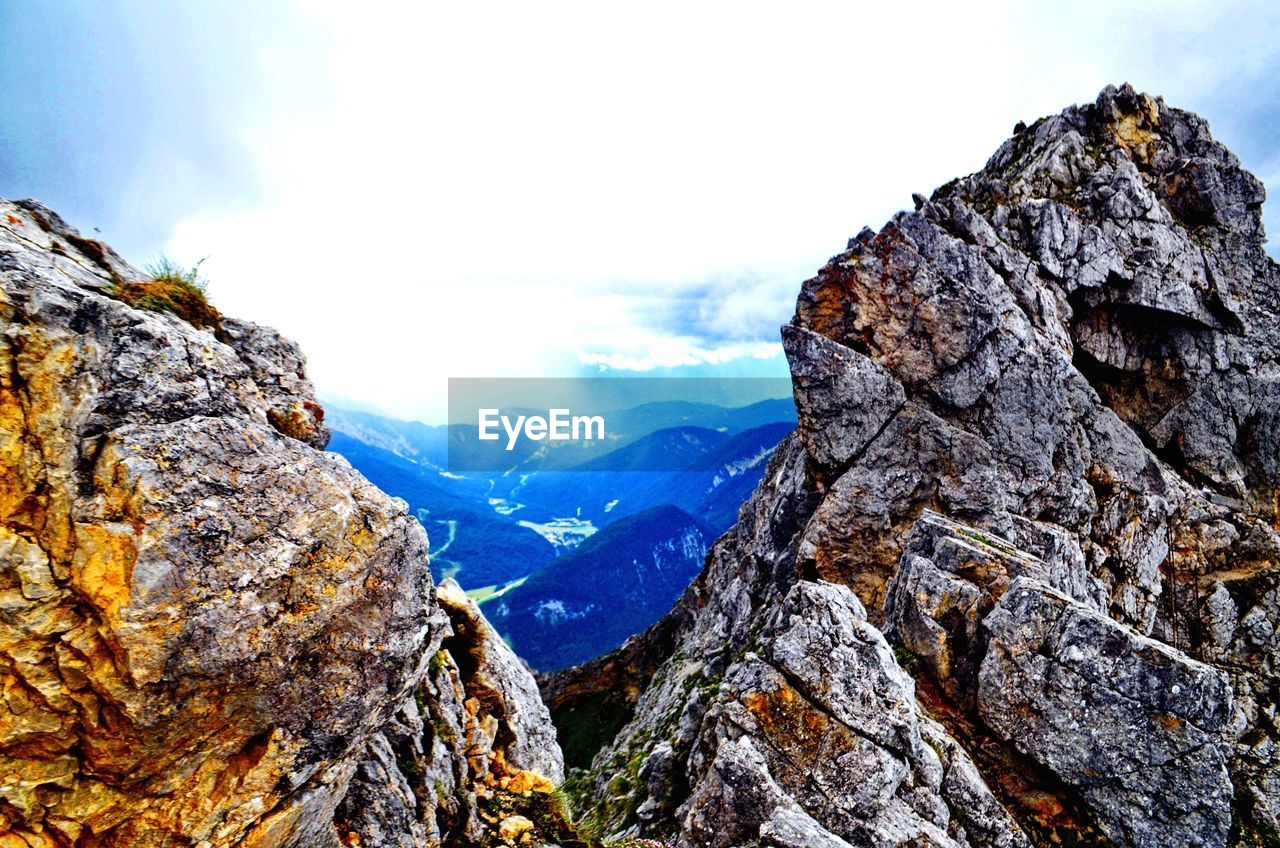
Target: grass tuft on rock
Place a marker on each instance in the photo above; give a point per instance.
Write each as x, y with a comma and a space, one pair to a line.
171, 288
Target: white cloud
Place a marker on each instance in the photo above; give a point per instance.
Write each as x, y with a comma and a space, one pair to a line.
679, 353
508, 189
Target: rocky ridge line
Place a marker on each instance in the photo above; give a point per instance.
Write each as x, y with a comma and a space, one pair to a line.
1037, 450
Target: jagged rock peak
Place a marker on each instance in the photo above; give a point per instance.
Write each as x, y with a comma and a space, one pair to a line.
212, 633
1037, 450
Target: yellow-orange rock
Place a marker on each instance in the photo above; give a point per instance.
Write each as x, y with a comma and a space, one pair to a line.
203, 621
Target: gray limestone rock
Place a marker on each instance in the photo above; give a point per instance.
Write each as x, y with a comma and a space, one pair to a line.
1139, 728
844, 399
833, 742
1053, 385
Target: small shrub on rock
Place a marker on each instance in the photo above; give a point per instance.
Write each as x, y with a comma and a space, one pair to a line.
171, 288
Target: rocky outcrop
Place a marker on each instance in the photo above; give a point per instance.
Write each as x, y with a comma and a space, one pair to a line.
824, 725
212, 633
1139, 728
947, 582
1037, 443
474, 748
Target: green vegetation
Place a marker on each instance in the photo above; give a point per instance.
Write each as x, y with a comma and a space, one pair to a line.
983, 539
909, 661
552, 820
1248, 830
483, 592
588, 723
615, 809
171, 288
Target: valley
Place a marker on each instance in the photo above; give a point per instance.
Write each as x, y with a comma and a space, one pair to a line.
608, 545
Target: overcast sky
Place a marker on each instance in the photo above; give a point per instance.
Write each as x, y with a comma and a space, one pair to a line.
545, 188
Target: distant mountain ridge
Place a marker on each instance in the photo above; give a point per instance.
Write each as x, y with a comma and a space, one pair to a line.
412, 440
613, 585
725, 469
435, 444
410, 459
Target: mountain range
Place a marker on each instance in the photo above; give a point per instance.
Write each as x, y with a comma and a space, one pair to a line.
616, 583
526, 544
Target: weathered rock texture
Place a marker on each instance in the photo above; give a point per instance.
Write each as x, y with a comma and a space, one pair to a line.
474, 747
1135, 725
212, 633
1038, 448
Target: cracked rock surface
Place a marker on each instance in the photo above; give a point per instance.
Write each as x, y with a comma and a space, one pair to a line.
1135, 725
212, 633
1037, 449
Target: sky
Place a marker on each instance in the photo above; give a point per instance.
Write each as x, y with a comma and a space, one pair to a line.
553, 189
